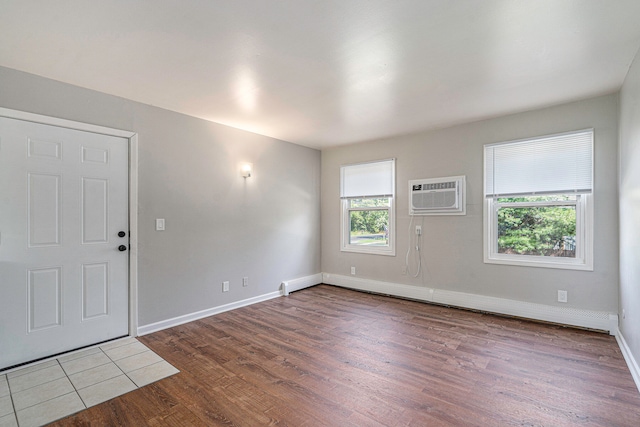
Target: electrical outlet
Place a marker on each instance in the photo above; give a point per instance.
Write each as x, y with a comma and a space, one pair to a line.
418, 230
225, 286
245, 281
404, 270
159, 224
353, 271
562, 296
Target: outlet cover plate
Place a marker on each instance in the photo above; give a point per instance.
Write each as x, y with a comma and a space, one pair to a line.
562, 296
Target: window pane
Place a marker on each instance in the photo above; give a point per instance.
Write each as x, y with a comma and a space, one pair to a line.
369, 228
369, 203
541, 231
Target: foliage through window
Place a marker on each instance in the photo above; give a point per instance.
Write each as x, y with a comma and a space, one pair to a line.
369, 221
537, 226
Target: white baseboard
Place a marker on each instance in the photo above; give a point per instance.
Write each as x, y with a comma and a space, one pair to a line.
566, 316
628, 357
169, 323
301, 283
287, 286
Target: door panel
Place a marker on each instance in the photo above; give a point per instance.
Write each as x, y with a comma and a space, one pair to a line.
43, 298
44, 210
95, 290
95, 212
63, 200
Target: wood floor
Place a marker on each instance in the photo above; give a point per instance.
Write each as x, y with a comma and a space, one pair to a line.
327, 356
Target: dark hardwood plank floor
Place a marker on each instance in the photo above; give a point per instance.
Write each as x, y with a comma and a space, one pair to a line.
327, 356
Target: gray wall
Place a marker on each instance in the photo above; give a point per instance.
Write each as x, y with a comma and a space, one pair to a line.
453, 244
219, 226
630, 209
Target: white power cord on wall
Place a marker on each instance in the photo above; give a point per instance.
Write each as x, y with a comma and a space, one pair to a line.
418, 247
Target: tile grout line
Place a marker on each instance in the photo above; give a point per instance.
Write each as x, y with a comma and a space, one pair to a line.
100, 382
134, 355
142, 367
15, 412
75, 390
124, 373
17, 369
37, 385
13, 405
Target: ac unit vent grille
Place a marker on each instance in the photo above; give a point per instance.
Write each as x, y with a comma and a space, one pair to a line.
437, 196
437, 186
435, 200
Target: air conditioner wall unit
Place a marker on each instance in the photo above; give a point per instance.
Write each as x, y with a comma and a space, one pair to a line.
438, 196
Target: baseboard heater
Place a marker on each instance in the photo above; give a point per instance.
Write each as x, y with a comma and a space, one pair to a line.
297, 284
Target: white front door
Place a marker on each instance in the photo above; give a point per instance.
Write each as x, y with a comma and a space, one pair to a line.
63, 265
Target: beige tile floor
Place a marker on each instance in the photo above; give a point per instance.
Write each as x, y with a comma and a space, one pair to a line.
47, 391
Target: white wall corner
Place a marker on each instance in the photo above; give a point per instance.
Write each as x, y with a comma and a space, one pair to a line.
613, 325
561, 315
628, 357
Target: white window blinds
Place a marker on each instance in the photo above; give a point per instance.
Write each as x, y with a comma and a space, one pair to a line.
548, 165
373, 179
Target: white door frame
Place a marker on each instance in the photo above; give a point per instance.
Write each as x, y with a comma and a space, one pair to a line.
133, 192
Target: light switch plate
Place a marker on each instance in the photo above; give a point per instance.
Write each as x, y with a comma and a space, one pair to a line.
159, 224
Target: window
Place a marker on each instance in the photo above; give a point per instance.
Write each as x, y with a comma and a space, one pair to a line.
367, 196
538, 201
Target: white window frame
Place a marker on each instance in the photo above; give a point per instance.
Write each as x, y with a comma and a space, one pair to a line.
584, 224
345, 229
584, 236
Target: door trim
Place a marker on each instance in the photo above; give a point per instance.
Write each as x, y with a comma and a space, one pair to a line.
132, 137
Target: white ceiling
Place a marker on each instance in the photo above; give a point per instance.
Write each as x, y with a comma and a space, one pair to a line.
326, 72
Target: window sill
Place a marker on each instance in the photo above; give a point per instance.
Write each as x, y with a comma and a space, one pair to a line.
371, 251
529, 261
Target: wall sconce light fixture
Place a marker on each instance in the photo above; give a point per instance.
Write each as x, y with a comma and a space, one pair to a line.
245, 170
